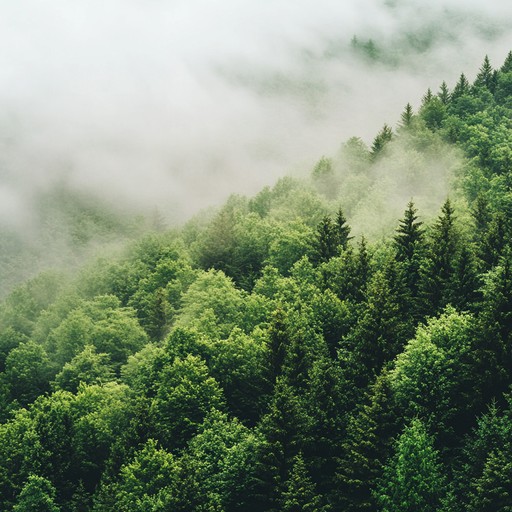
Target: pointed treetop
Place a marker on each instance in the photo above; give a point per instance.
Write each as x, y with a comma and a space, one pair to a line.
406, 117
444, 94
382, 138
484, 73
343, 229
461, 87
409, 233
507, 65
427, 97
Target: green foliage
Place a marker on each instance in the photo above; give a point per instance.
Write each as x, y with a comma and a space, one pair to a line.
300, 493
103, 323
434, 377
186, 393
148, 482
381, 139
413, 479
257, 359
37, 494
87, 367
28, 371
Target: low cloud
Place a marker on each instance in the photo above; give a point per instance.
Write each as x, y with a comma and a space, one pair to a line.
176, 104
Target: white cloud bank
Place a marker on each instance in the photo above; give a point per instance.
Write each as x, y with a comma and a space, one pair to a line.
177, 103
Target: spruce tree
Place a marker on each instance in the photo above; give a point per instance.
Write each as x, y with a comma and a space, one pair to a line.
507, 64
326, 243
300, 491
486, 76
380, 141
444, 94
413, 479
406, 117
427, 97
342, 230
461, 87
438, 267
365, 447
409, 235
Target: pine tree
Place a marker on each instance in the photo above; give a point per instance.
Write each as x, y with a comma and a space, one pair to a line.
427, 97
326, 243
380, 141
300, 492
284, 428
481, 217
409, 235
365, 447
494, 241
342, 230
406, 117
444, 94
464, 284
495, 346
507, 65
413, 479
438, 267
461, 87
486, 76
278, 344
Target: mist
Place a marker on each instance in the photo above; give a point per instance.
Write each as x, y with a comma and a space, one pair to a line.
177, 104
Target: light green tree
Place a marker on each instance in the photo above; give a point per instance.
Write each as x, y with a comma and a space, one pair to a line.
413, 479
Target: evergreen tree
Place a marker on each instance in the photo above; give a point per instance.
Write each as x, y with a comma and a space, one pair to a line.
278, 342
507, 65
326, 244
300, 493
464, 284
438, 267
427, 98
365, 447
406, 117
380, 141
409, 235
461, 87
342, 230
284, 429
444, 94
413, 479
494, 240
486, 76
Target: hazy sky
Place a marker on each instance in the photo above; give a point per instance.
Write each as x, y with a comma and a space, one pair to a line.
177, 103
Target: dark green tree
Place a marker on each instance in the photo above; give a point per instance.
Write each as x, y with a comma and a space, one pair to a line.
326, 243
444, 94
406, 117
365, 447
461, 87
284, 429
486, 76
381, 140
438, 267
409, 236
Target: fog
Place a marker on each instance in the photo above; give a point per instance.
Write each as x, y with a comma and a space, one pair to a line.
176, 104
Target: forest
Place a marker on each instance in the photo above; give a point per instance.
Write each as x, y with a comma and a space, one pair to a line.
338, 342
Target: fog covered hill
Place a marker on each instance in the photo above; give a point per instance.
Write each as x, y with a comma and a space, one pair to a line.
339, 341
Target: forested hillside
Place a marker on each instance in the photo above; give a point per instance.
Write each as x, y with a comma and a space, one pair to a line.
336, 343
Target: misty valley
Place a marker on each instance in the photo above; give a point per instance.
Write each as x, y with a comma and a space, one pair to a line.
198, 315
